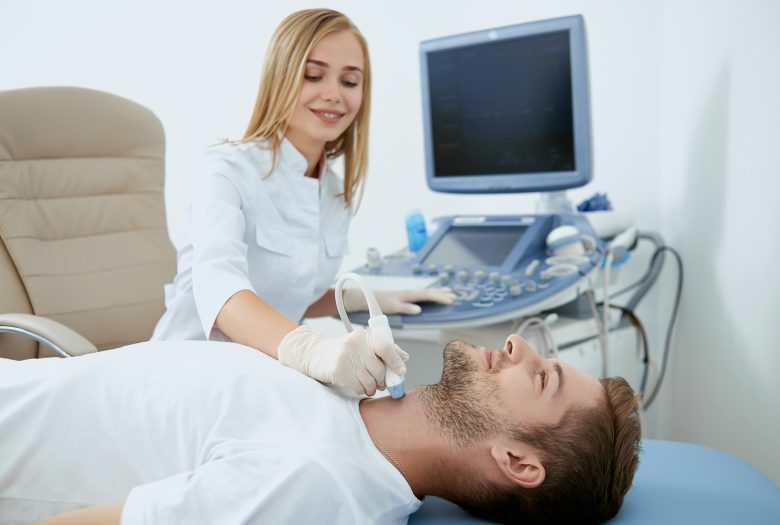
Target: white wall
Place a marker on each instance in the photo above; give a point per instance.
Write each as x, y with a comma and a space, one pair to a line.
720, 184
684, 130
196, 65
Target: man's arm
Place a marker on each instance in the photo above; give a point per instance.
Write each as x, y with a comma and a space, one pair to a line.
243, 487
109, 514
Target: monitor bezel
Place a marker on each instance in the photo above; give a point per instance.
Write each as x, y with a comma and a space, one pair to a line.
517, 182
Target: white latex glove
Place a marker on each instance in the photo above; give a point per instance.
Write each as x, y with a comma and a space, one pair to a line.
397, 302
356, 360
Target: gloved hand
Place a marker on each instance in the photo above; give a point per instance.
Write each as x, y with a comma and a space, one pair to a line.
397, 302
356, 360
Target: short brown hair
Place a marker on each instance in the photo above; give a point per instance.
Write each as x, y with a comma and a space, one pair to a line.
589, 457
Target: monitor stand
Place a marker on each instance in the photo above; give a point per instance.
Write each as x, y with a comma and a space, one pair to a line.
553, 202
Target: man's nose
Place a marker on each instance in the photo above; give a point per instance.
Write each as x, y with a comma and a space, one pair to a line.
518, 349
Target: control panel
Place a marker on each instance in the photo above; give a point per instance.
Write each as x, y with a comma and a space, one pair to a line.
500, 267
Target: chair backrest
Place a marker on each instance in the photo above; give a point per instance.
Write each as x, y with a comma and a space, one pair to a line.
13, 298
82, 214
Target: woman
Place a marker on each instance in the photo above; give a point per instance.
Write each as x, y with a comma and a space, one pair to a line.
268, 221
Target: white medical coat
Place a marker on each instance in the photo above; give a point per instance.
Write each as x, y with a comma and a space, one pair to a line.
282, 236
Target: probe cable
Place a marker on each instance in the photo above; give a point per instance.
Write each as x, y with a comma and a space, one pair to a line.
603, 327
648, 399
670, 328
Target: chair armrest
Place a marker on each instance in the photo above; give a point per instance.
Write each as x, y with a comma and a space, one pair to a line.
63, 340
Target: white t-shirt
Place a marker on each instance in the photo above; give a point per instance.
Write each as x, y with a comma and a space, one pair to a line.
189, 432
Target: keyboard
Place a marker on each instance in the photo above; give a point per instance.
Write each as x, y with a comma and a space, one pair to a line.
393, 283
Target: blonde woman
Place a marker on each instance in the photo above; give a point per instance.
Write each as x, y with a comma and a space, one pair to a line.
269, 219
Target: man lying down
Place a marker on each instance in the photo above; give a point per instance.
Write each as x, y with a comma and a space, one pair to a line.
218, 433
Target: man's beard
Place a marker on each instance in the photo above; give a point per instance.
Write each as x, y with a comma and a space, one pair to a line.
458, 404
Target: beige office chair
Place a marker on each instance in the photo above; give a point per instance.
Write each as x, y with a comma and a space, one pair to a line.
84, 250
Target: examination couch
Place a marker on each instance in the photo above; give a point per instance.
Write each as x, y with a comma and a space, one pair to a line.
676, 483
84, 255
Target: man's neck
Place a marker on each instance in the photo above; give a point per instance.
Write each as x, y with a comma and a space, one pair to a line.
400, 429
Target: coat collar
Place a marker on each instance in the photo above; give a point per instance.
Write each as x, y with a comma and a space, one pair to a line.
293, 160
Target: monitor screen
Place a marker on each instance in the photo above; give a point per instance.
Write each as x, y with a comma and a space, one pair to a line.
506, 110
475, 245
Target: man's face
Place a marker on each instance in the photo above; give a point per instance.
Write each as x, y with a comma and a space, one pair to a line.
483, 392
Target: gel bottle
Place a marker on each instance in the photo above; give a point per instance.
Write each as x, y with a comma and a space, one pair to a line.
415, 230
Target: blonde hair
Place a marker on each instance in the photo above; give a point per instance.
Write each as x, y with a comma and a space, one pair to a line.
282, 76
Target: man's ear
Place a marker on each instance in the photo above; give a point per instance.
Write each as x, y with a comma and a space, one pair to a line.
519, 463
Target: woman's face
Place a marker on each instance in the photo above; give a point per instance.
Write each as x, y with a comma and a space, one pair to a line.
331, 93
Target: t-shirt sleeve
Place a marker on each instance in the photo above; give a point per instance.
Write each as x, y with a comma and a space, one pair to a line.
250, 487
220, 266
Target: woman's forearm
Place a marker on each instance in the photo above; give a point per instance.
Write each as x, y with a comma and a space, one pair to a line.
325, 306
247, 319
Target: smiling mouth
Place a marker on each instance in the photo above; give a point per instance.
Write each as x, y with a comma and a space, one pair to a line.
331, 117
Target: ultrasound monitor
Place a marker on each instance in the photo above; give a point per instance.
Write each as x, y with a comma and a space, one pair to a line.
506, 110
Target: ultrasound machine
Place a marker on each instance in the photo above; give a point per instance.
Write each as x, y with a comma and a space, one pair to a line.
505, 111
